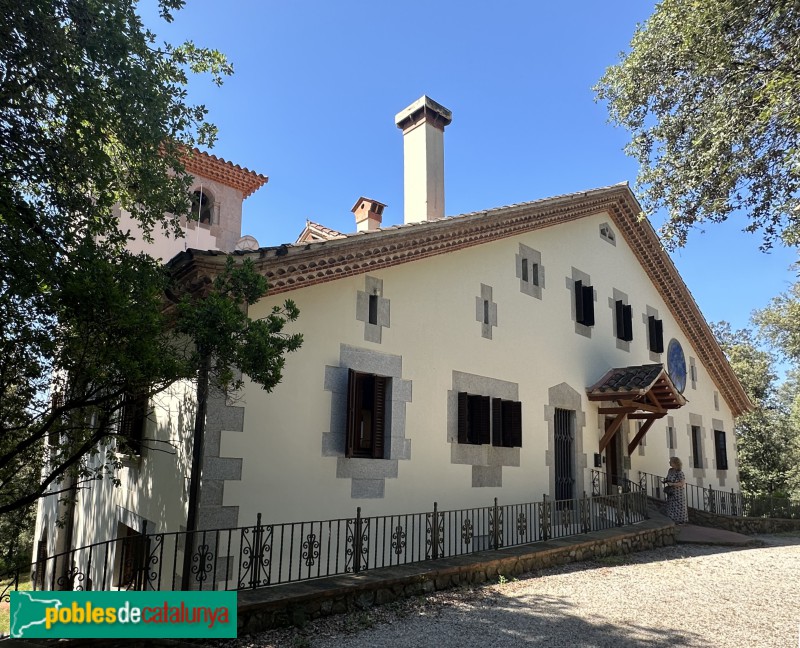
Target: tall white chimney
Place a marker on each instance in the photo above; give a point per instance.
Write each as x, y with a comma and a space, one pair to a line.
423, 125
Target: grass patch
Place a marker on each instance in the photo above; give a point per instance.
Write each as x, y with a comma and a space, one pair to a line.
5, 616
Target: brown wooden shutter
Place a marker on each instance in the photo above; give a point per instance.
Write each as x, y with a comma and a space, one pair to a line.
620, 313
497, 422
579, 301
485, 429
352, 392
627, 321
379, 417
659, 337
514, 435
463, 414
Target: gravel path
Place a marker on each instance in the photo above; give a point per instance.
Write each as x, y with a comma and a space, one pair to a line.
685, 595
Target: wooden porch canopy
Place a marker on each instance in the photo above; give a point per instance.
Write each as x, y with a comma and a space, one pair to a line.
644, 393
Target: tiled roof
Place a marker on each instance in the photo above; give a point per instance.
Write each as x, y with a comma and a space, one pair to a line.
289, 267
215, 168
627, 380
314, 232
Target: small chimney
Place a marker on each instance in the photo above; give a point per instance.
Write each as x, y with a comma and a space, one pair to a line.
369, 214
423, 125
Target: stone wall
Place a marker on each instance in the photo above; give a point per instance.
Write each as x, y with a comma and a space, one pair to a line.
298, 603
746, 525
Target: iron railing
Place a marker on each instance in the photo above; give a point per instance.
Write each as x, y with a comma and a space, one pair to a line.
269, 554
722, 502
601, 485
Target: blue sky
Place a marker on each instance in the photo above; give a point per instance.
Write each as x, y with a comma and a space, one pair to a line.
317, 85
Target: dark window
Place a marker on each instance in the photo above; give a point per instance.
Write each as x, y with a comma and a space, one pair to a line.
373, 309
366, 414
721, 450
671, 437
133, 422
655, 330
473, 419
132, 551
624, 321
202, 206
564, 454
584, 304
506, 423
535, 274
525, 276
697, 460
485, 311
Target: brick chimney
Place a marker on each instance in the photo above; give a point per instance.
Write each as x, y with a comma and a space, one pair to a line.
369, 214
423, 124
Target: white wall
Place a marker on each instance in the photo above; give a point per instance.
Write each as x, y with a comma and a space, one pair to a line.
434, 328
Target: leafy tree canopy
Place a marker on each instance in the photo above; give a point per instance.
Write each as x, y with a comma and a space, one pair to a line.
710, 92
94, 116
768, 438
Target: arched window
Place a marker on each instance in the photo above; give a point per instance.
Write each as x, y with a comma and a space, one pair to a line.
203, 206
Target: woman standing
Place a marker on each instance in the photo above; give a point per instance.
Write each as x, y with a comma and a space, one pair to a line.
674, 486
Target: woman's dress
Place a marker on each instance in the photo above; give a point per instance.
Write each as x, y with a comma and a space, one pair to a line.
676, 496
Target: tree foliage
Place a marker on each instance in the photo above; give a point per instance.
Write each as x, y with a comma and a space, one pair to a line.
768, 438
710, 92
94, 117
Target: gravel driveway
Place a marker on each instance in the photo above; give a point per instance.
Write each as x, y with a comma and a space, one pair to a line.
685, 595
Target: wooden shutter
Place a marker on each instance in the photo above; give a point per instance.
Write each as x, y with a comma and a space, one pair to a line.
513, 432
497, 422
352, 398
619, 309
627, 323
463, 414
651, 333
484, 428
659, 336
379, 417
579, 315
588, 305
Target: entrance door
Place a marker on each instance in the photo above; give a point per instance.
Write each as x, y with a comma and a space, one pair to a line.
565, 454
613, 460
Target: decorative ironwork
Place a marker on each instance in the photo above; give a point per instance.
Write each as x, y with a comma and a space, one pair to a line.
545, 511
566, 518
357, 551
204, 562
586, 521
496, 526
595, 474
150, 570
11, 586
522, 525
398, 540
467, 532
255, 556
434, 534
564, 436
311, 550
67, 580
712, 502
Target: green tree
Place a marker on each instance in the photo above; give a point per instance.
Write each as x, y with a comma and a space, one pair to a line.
768, 438
709, 92
225, 340
93, 116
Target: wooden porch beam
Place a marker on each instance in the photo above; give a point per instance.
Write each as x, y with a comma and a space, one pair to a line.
656, 409
615, 410
611, 431
640, 435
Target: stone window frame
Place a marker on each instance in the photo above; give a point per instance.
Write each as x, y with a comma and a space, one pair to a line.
672, 434
619, 296
607, 234
699, 464
368, 476
486, 311
649, 312
532, 257
579, 275
692, 372
487, 461
373, 288
563, 396
722, 473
